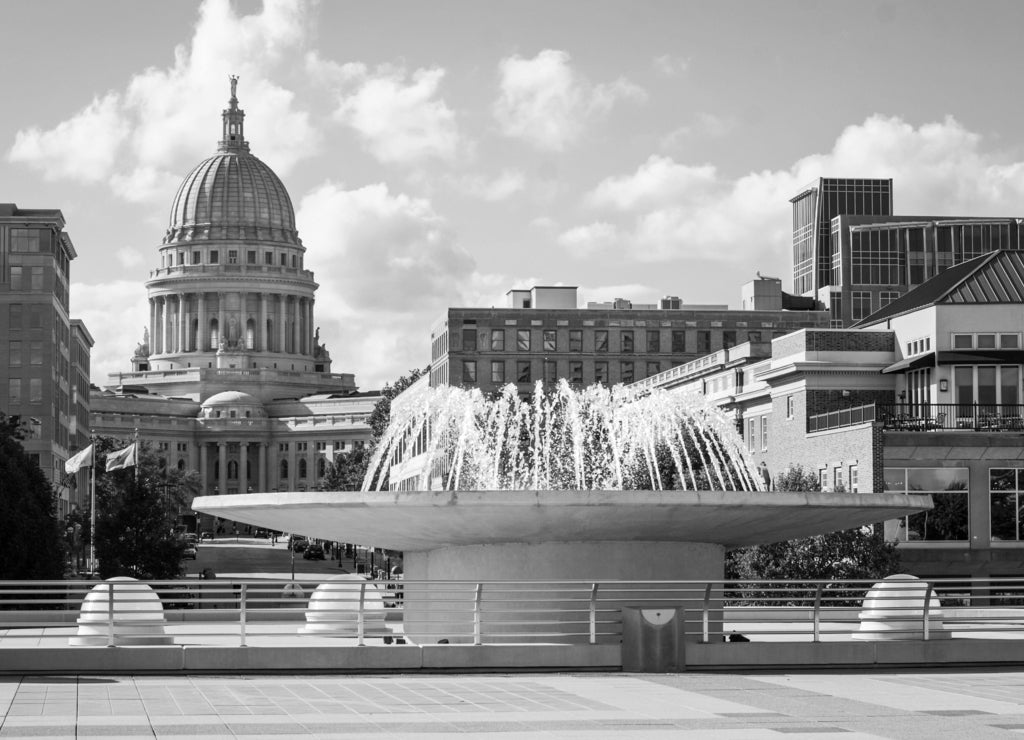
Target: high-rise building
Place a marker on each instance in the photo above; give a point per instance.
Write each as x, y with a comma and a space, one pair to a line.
813, 210
231, 378
42, 350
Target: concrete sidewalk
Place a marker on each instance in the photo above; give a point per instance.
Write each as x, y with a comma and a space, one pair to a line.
911, 704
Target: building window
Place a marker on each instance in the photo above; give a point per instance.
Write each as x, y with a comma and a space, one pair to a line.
823, 479
268, 258
469, 340
653, 368
523, 371
283, 467
232, 469
197, 257
854, 483
653, 341
1006, 500
576, 373
790, 407
550, 372
678, 341
14, 392
282, 447
886, 297
626, 372
14, 354
838, 484
627, 341
250, 257
764, 433
523, 340
232, 256
703, 342
284, 260
601, 372
728, 338
963, 341
949, 489
601, 340
303, 467
752, 434
35, 390
550, 340
497, 340
497, 371
17, 283
469, 371
575, 340
25, 240
214, 256
37, 278
986, 385
860, 306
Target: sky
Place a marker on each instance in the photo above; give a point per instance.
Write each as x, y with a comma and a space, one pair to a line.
440, 153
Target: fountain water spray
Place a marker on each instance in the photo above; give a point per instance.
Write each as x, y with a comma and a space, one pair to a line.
564, 439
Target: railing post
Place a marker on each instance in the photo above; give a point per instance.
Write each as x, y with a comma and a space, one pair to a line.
477, 631
925, 611
706, 616
241, 614
361, 616
110, 614
593, 614
817, 612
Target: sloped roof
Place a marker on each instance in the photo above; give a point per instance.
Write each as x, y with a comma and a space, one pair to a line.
997, 277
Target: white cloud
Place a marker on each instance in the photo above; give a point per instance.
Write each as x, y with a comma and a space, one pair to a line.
83, 148
399, 116
670, 65
130, 257
704, 125
545, 102
116, 314
667, 211
135, 140
501, 187
388, 265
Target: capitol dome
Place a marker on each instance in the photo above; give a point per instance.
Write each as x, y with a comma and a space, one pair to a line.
232, 195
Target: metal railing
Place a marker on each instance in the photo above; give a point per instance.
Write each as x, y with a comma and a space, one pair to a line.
248, 612
841, 418
977, 417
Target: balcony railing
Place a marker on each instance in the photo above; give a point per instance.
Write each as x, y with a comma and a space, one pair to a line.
978, 417
841, 418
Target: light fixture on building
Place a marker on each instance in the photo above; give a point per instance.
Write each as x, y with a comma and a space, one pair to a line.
943, 385
845, 394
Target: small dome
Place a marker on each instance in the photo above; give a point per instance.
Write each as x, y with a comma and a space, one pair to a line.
232, 405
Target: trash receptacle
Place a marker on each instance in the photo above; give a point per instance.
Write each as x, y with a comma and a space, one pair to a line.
652, 640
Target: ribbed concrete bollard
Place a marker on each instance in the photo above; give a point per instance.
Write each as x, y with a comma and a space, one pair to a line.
334, 609
894, 610
136, 613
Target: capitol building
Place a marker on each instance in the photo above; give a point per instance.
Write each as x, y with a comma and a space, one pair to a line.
231, 378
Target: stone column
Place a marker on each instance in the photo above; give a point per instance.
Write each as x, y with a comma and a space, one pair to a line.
293, 474
296, 349
165, 337
182, 324
221, 316
242, 318
261, 466
243, 463
152, 326
262, 329
222, 457
203, 332
204, 475
283, 322
310, 329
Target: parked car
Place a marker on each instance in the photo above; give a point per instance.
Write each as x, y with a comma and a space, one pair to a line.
299, 545
190, 552
191, 538
207, 535
262, 533
313, 552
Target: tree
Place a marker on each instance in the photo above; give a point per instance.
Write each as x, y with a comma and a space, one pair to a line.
348, 470
136, 514
851, 554
31, 544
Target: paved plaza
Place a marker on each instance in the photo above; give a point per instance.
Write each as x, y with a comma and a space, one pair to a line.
912, 704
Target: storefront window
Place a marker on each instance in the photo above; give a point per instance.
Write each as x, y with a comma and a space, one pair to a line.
949, 489
1006, 498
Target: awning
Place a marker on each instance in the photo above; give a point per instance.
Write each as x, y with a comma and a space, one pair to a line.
911, 363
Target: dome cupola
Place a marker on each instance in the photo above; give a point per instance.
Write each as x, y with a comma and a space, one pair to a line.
232, 195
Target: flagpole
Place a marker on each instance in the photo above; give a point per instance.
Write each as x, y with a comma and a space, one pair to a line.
92, 510
136, 454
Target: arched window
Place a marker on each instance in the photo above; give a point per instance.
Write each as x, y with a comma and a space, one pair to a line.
321, 468
216, 469
181, 464
214, 334
232, 469
302, 468
284, 469
248, 469
250, 334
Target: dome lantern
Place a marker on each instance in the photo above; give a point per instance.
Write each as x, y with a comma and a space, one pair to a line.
233, 137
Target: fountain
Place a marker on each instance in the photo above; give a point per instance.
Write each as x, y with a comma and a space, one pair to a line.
598, 485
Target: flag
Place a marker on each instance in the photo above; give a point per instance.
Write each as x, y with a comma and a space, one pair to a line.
125, 458
80, 460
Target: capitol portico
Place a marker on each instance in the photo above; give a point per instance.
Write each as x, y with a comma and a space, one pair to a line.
231, 378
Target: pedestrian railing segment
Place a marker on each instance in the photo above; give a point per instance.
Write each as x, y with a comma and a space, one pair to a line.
265, 612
